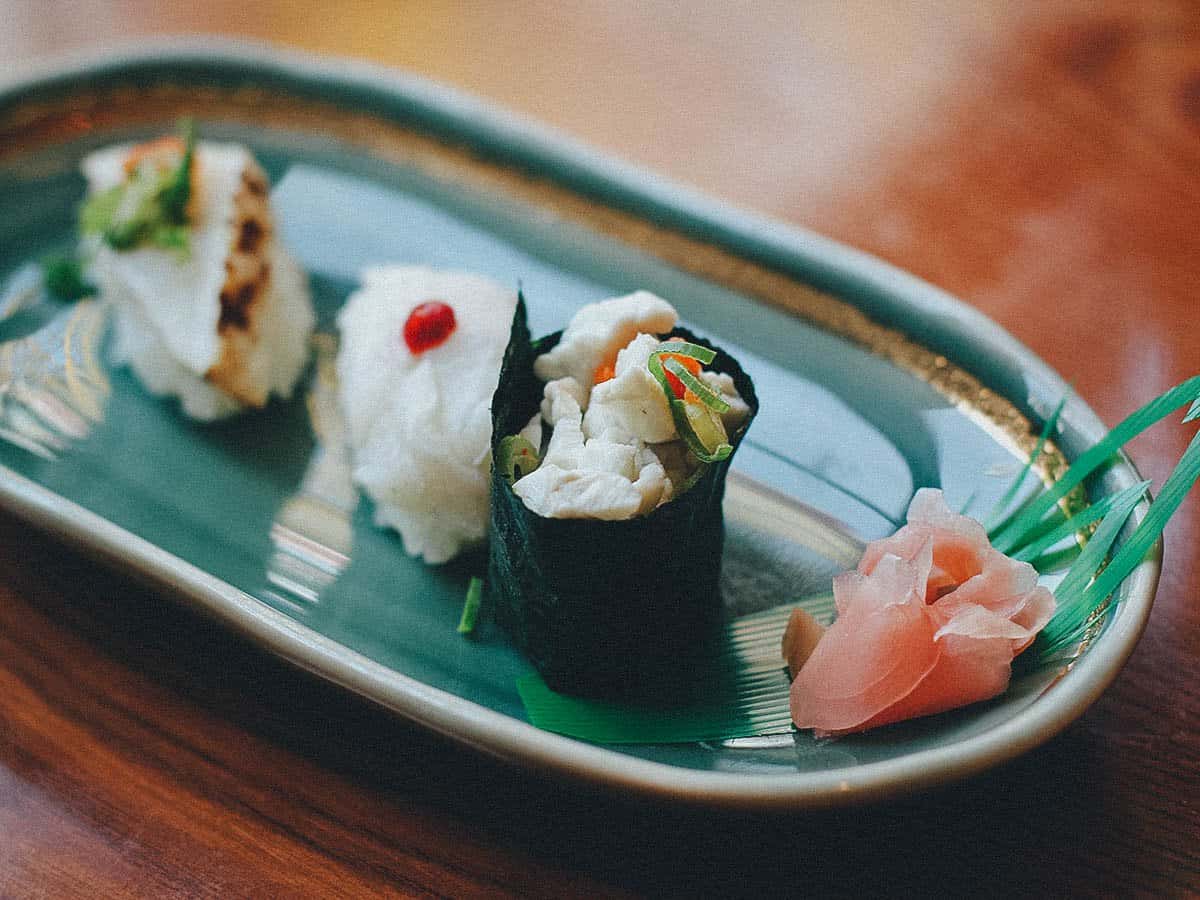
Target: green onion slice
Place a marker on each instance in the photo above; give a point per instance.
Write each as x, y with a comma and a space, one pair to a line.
701, 430
64, 278
516, 457
702, 391
470, 612
176, 193
698, 425
703, 355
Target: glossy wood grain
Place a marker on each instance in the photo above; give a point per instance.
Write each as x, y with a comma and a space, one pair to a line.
1040, 162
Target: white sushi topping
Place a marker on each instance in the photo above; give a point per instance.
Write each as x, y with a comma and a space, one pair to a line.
630, 406
614, 452
168, 304
599, 330
420, 424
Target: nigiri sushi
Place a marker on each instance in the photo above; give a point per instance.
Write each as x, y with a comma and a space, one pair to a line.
419, 361
605, 550
181, 240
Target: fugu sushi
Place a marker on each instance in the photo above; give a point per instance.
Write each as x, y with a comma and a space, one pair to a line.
605, 550
209, 307
418, 364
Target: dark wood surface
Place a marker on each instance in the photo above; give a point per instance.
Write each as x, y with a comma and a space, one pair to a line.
1042, 162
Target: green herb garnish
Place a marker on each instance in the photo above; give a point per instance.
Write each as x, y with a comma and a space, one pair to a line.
150, 207
516, 457
697, 423
470, 612
177, 192
63, 277
696, 386
99, 210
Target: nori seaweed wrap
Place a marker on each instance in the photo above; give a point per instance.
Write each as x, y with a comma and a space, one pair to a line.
606, 608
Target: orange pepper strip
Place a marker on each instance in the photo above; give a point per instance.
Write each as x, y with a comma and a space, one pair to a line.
604, 372
607, 370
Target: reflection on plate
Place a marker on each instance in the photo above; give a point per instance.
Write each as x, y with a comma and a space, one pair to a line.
53, 386
255, 519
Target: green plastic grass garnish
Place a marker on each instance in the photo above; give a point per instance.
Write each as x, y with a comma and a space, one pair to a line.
470, 611
1077, 614
1033, 550
1008, 537
996, 519
745, 693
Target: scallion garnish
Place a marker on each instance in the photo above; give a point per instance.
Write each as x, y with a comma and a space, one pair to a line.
470, 612
63, 276
702, 391
177, 192
703, 355
516, 457
701, 430
697, 423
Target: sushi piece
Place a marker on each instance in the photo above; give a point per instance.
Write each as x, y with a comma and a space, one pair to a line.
209, 307
605, 548
418, 364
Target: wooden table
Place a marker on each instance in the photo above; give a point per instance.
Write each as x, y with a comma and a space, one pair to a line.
1040, 162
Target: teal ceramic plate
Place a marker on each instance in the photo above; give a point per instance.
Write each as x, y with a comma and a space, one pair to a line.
872, 384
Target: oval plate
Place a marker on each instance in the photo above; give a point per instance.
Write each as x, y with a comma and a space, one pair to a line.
872, 383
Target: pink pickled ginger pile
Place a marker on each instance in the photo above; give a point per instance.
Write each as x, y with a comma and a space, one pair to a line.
931, 620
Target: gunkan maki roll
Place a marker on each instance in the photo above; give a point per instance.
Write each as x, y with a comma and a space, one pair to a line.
611, 441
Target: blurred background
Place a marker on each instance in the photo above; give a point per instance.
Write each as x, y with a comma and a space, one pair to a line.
821, 91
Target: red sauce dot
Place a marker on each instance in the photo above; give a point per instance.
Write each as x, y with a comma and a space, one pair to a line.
428, 325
